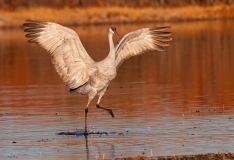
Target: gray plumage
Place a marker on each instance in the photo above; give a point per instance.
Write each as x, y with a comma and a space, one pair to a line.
77, 69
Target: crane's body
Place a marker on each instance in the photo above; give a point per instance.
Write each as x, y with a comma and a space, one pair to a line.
73, 64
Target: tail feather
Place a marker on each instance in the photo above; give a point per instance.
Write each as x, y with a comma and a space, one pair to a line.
75, 89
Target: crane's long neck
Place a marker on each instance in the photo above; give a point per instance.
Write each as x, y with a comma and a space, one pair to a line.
112, 47
107, 66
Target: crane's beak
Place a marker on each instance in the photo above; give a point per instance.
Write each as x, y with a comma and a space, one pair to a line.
117, 33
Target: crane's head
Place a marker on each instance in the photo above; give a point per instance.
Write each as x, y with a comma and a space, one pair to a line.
112, 30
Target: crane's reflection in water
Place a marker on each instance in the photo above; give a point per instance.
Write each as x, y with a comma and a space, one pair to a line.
177, 102
87, 147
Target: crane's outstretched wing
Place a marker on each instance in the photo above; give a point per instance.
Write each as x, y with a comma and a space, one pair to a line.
70, 59
140, 41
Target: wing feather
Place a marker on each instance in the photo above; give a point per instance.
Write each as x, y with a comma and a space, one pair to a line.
70, 59
141, 41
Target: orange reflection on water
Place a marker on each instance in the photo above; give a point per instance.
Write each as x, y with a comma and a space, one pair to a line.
157, 96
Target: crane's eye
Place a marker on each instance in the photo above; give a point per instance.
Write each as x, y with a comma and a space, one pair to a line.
113, 28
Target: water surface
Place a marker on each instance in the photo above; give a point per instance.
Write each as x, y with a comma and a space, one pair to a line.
166, 103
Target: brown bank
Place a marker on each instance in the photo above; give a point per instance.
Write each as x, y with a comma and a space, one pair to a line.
109, 15
219, 156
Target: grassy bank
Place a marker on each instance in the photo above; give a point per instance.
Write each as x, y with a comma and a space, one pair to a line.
112, 15
219, 156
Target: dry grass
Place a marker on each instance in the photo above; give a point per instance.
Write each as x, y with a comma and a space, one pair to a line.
219, 156
107, 15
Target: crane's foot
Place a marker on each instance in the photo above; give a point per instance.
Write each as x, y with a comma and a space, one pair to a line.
108, 110
86, 133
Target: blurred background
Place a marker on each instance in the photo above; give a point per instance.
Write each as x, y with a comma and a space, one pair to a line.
176, 102
80, 12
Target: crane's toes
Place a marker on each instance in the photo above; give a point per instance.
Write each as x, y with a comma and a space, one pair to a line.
111, 113
109, 110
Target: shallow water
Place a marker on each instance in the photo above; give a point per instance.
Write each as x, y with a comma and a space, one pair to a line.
165, 103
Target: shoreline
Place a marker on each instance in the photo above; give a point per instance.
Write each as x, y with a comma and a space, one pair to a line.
208, 156
117, 15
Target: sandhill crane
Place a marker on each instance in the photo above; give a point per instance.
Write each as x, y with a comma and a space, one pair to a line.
73, 64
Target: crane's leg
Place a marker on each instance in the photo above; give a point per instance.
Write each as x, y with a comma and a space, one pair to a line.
91, 96
100, 107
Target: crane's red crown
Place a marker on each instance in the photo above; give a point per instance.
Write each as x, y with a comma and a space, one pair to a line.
113, 28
